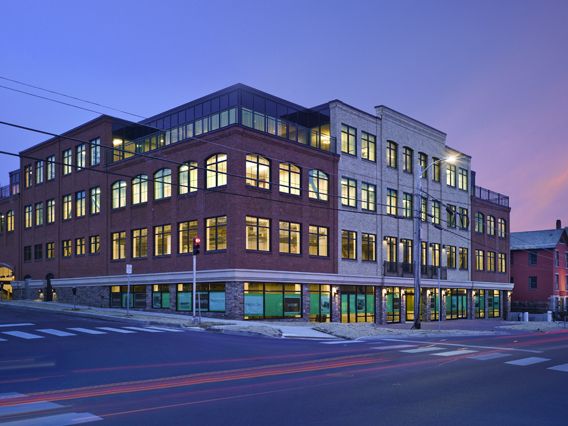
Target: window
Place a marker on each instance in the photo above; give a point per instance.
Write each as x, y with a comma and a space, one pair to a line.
479, 260
290, 179
95, 200
216, 174
491, 225
80, 246
50, 250
502, 228
162, 184
95, 152
407, 205
556, 258
272, 300
348, 140
50, 211
38, 251
436, 212
463, 259
392, 154
423, 209
160, 296
368, 247
501, 262
67, 162
436, 169
187, 231
533, 259
27, 253
368, 146
392, 202
348, 192
436, 254
407, 163
28, 178
211, 296
67, 248
187, 177
368, 197
139, 243
423, 161
464, 218
81, 156
257, 233
258, 171
533, 285
67, 207
392, 251
318, 185
318, 240
290, 240
80, 203
39, 172
140, 189
50, 167
491, 261
118, 245
162, 240
479, 222
10, 221
451, 257
348, 245
28, 216
406, 253
463, 179
216, 233
2, 222
39, 214
94, 244
451, 213
119, 194
451, 175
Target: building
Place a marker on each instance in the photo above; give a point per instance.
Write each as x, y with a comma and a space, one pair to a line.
539, 270
305, 213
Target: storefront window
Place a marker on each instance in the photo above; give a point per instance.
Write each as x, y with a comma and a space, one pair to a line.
434, 304
357, 304
409, 301
456, 304
494, 303
209, 297
272, 300
320, 303
393, 304
160, 296
480, 304
119, 294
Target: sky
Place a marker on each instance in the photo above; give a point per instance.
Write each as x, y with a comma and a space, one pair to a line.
493, 75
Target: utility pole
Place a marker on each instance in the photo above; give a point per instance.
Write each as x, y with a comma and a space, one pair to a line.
417, 243
195, 252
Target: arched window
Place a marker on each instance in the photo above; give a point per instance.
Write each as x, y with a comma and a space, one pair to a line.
479, 222
119, 194
318, 185
258, 171
140, 189
290, 179
187, 177
501, 227
216, 170
162, 184
10, 220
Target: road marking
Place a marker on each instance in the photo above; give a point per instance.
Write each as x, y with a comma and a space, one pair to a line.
55, 332
86, 330
27, 408
20, 324
455, 353
147, 330
487, 357
116, 330
561, 367
461, 345
426, 349
173, 330
2, 340
8, 395
22, 335
345, 342
386, 348
523, 362
57, 420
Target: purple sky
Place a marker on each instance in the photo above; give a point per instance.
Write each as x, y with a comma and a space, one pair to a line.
493, 75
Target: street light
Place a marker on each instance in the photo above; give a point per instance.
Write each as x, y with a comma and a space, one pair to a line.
451, 159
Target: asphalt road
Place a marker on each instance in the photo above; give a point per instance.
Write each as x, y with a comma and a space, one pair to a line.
57, 370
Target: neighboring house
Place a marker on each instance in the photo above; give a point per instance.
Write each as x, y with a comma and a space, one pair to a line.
539, 270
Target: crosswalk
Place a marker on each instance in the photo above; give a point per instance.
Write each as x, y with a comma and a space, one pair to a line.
7, 335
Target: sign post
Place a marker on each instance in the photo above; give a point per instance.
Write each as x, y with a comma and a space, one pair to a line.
195, 252
128, 273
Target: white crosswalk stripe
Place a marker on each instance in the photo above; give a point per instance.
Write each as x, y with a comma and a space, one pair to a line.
173, 330
147, 330
86, 330
455, 353
487, 357
421, 350
30, 407
57, 420
523, 362
391, 347
22, 335
19, 324
338, 342
55, 332
116, 330
561, 367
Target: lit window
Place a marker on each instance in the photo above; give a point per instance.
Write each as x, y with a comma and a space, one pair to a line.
491, 261
348, 245
463, 258
463, 179
28, 176
119, 194
464, 218
95, 152
67, 161
290, 241
257, 233
140, 189
28, 216
290, 179
162, 184
501, 262
50, 250
423, 209
348, 140
318, 185
423, 161
81, 156
216, 233
368, 197
348, 192
392, 202
479, 222
51, 167
257, 171
451, 175
216, 170
451, 257
407, 254
162, 240
39, 214
80, 203
118, 245
407, 205
139, 243
50, 211
436, 169
94, 244
318, 240
407, 162
95, 200
392, 154
80, 246
10, 221
67, 248
368, 247
67, 207
491, 225
187, 177
502, 229
479, 260
392, 250
451, 214
368, 146
187, 231
39, 172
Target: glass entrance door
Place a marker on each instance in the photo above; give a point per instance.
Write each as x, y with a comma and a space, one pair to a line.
409, 299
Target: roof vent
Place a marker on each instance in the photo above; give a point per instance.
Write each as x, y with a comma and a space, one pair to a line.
558, 224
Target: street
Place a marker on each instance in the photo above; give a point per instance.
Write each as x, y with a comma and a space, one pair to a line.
56, 369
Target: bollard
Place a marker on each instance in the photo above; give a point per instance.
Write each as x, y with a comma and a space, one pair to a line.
525, 317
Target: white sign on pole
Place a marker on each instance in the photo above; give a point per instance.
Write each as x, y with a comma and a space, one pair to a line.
129, 269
